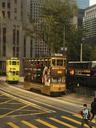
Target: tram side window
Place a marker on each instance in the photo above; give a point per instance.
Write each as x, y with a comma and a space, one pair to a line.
93, 65
53, 62
17, 62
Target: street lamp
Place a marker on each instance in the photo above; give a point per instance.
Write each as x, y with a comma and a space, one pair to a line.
81, 49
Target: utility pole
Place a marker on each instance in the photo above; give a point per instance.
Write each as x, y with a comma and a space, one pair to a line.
81, 48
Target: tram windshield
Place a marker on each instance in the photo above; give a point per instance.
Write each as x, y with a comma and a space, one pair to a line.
57, 62
60, 62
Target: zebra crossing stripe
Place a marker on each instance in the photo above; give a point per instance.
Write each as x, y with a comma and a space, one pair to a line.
46, 123
28, 124
79, 116
12, 125
61, 122
70, 119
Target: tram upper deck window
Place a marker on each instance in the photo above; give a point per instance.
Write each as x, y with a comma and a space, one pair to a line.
53, 62
13, 62
93, 64
60, 62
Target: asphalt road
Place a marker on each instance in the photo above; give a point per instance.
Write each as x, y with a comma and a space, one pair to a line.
22, 109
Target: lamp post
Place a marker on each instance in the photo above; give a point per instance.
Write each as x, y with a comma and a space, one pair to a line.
81, 50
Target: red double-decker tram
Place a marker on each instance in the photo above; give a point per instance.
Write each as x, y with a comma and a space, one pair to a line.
47, 75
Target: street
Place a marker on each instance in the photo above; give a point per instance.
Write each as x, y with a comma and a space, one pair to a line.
24, 109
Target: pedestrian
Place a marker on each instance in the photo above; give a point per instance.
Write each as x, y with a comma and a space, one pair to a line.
85, 116
93, 108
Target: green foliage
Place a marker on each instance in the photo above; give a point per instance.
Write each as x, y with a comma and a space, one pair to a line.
57, 17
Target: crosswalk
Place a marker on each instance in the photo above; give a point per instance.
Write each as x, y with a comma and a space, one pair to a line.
61, 121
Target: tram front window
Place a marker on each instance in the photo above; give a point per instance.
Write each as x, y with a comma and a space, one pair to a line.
59, 62
13, 62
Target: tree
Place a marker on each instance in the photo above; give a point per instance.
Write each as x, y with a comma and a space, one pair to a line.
56, 23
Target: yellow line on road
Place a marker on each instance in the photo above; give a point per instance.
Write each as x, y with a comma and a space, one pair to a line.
4, 115
70, 119
61, 122
46, 123
28, 124
80, 117
5, 102
13, 125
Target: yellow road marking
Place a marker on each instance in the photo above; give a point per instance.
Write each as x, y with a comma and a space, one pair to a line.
13, 125
31, 114
1, 94
26, 102
70, 119
28, 124
46, 123
80, 117
5, 102
61, 122
2, 116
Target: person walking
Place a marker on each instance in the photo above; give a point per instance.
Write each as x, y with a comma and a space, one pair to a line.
85, 116
93, 108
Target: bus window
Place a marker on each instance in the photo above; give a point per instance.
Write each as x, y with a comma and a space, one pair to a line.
53, 62
13, 62
60, 62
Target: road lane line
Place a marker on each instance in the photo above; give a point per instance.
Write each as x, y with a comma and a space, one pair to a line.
4, 115
27, 102
38, 113
13, 125
61, 122
46, 123
28, 124
5, 102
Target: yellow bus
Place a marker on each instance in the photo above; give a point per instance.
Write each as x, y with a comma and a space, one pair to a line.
48, 75
12, 70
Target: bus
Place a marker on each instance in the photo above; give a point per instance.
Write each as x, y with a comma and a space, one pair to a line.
48, 75
13, 70
81, 73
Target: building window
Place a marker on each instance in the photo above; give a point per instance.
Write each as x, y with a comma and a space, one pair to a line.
13, 51
17, 54
24, 46
3, 4
31, 48
3, 13
17, 36
15, 1
14, 39
8, 5
4, 42
8, 13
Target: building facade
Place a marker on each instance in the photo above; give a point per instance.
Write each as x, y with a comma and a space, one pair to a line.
89, 23
40, 48
13, 15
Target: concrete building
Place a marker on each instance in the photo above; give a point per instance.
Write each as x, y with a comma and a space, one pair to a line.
89, 23
13, 16
40, 48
